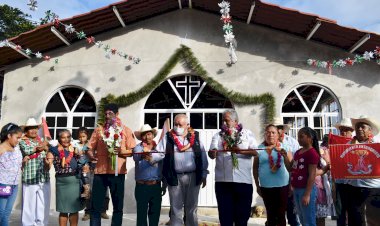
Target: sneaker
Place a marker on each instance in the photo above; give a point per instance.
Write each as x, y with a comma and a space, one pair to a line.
86, 217
104, 215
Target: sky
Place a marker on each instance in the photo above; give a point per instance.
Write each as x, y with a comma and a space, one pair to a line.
360, 14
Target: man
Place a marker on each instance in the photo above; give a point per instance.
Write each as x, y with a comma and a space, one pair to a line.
104, 175
233, 171
148, 177
293, 145
340, 185
35, 177
184, 168
364, 194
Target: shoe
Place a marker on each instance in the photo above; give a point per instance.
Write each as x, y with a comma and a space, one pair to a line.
86, 191
104, 215
86, 217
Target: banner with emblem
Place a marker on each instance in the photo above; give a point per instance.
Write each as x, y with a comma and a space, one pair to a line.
355, 161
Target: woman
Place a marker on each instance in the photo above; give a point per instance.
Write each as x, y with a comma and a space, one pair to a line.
325, 206
10, 169
270, 170
67, 184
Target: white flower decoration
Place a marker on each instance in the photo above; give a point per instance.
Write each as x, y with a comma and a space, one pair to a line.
341, 63
368, 55
28, 52
99, 44
69, 29
302, 159
301, 166
38, 55
300, 177
229, 36
224, 4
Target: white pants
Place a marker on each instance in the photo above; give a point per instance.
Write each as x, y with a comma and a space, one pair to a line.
184, 195
35, 204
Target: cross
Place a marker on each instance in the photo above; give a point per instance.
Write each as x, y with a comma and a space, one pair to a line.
188, 84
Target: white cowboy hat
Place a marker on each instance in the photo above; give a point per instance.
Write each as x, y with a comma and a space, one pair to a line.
345, 122
365, 119
277, 121
146, 128
31, 122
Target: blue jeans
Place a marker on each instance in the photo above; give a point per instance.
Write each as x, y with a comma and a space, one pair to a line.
6, 205
306, 213
291, 213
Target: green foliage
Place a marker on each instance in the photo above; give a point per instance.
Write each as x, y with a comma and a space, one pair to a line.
184, 55
13, 22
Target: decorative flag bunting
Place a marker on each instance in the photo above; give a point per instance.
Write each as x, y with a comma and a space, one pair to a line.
32, 5
70, 29
346, 62
229, 36
28, 52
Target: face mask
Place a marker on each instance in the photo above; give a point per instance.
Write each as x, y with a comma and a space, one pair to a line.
179, 131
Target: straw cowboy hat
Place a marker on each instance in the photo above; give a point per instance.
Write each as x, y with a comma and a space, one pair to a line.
345, 122
31, 122
146, 128
277, 121
365, 119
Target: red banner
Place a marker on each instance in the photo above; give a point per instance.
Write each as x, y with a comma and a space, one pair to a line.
335, 139
355, 161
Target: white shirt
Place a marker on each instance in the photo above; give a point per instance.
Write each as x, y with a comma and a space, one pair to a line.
291, 143
184, 162
224, 171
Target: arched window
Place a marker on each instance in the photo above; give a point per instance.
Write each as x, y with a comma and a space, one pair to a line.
311, 105
70, 108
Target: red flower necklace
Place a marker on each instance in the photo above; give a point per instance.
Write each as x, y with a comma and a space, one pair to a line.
62, 157
179, 145
27, 141
274, 167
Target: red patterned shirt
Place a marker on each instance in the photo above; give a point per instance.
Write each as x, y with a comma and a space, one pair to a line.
300, 168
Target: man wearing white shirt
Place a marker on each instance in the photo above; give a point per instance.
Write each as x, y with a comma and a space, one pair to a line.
233, 171
184, 169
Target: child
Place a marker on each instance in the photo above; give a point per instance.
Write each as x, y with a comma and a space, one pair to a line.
83, 161
304, 167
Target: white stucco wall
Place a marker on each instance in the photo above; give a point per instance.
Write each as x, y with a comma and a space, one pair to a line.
267, 58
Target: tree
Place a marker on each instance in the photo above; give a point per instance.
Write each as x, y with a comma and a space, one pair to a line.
13, 22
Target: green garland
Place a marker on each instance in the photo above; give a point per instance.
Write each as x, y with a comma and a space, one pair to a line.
186, 56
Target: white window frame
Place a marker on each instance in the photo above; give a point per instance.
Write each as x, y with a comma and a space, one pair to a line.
310, 113
70, 114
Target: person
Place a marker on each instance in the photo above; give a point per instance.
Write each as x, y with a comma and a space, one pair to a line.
106, 174
67, 179
364, 194
233, 170
325, 204
340, 186
293, 145
82, 146
304, 168
10, 169
148, 176
184, 168
35, 176
270, 171
83, 161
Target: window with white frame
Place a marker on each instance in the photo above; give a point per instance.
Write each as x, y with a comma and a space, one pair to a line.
311, 105
70, 108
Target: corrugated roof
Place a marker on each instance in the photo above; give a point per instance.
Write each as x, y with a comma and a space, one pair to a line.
265, 14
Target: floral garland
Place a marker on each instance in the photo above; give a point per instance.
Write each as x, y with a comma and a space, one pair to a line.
145, 145
229, 36
179, 145
274, 167
112, 135
27, 141
375, 54
231, 138
65, 161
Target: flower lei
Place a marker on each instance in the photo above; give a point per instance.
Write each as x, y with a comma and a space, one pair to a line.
231, 138
64, 160
27, 141
179, 145
112, 135
274, 167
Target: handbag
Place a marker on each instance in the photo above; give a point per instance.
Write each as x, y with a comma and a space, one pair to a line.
7, 190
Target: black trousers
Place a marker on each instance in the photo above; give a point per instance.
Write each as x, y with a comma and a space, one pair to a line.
234, 203
275, 201
342, 201
363, 203
99, 189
